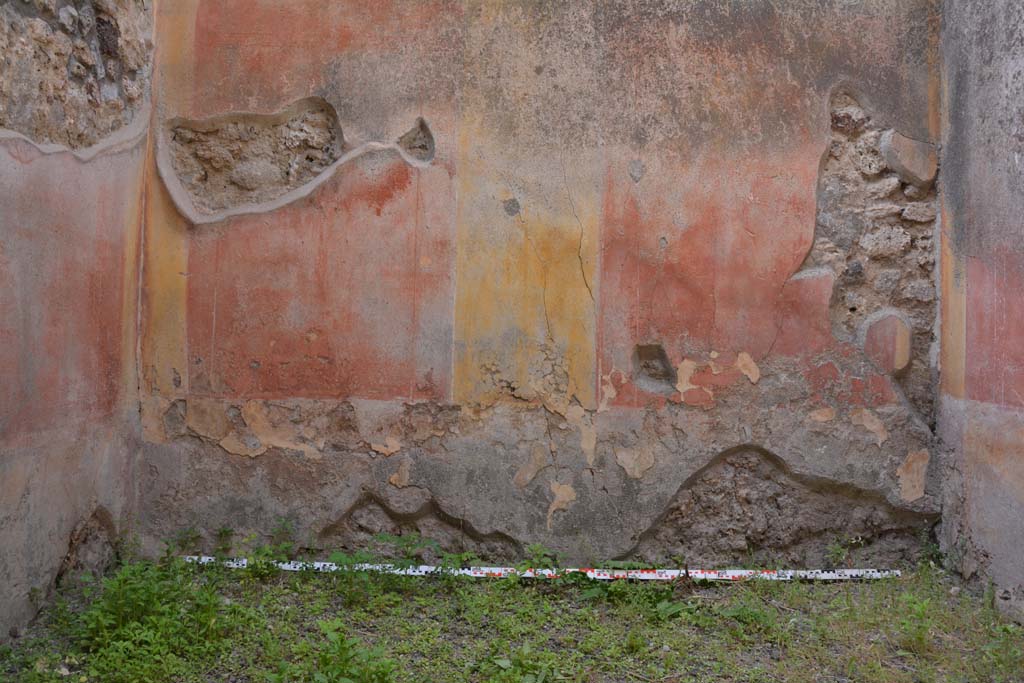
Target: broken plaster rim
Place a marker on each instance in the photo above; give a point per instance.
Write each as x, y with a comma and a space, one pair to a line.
813, 273
124, 138
183, 200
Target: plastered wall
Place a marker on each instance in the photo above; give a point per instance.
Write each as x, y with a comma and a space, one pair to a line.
572, 273
74, 117
669, 280
983, 276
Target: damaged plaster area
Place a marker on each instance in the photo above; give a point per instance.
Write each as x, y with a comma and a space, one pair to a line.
92, 546
745, 506
876, 231
72, 73
241, 163
248, 158
491, 479
363, 525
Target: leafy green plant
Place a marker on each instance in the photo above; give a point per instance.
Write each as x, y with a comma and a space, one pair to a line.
635, 643
1005, 651
451, 562
930, 549
538, 557
524, 665
173, 622
339, 659
407, 549
668, 609
282, 538
147, 620
751, 617
262, 558
654, 601
224, 537
188, 540
915, 622
838, 551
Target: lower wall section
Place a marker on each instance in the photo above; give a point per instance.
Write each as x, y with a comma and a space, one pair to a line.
670, 485
982, 530
66, 500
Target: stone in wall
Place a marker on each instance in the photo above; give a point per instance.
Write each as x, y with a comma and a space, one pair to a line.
246, 161
73, 72
92, 546
876, 232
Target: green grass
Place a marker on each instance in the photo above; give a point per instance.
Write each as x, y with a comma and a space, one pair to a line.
173, 622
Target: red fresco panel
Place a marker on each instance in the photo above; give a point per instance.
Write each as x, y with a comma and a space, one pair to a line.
697, 260
345, 294
994, 366
262, 53
61, 270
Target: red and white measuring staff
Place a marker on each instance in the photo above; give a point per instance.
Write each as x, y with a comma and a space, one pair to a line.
598, 574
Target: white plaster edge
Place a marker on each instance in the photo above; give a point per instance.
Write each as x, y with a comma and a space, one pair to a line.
125, 138
812, 273
183, 200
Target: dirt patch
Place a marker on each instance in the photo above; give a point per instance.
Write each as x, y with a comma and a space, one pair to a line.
239, 159
73, 72
746, 507
876, 231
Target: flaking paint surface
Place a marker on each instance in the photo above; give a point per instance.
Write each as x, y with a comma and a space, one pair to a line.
526, 280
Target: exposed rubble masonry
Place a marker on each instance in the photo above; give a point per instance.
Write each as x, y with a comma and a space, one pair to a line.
73, 72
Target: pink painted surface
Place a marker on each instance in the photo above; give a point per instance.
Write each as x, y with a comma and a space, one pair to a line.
61, 286
885, 343
346, 293
262, 54
712, 270
994, 365
698, 256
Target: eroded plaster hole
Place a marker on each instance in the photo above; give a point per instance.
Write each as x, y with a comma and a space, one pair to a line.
876, 231
238, 159
418, 142
73, 73
653, 370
